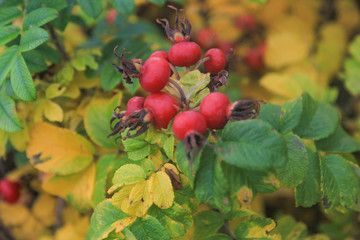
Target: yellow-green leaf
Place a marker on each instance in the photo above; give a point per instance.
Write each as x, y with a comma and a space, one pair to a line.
57, 150
53, 112
128, 174
161, 191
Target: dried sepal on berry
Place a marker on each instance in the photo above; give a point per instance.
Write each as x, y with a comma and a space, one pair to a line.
129, 68
182, 27
138, 121
194, 143
218, 80
244, 109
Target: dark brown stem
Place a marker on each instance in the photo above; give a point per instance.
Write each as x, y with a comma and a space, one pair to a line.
180, 90
60, 204
172, 67
58, 44
197, 65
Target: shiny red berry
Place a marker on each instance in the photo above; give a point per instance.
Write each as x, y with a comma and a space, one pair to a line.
246, 23
163, 108
160, 54
188, 122
154, 74
9, 191
227, 47
184, 54
214, 108
206, 38
255, 57
217, 61
134, 104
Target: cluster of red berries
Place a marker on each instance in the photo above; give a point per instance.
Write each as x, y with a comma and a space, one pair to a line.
159, 108
208, 38
9, 191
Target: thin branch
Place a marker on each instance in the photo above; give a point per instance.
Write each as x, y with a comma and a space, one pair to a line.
197, 65
172, 67
180, 90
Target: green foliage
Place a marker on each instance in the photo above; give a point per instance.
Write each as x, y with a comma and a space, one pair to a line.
9, 121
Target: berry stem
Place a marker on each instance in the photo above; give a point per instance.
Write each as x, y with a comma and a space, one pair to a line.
172, 67
181, 91
188, 69
197, 65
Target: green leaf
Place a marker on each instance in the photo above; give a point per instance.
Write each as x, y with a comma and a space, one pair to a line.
338, 141
318, 119
9, 14
255, 228
104, 220
128, 174
282, 118
109, 77
243, 181
252, 144
7, 60
9, 121
137, 148
339, 183
219, 236
206, 223
186, 198
149, 228
184, 165
174, 219
158, 2
258, 1
288, 228
33, 38
39, 17
21, 80
210, 182
49, 53
308, 192
354, 48
56, 4
92, 8
103, 166
35, 61
352, 76
123, 6
8, 33
297, 163
97, 120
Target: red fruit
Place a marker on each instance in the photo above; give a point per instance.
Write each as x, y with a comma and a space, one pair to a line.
246, 23
214, 109
163, 108
217, 60
134, 104
206, 38
227, 47
188, 122
154, 74
184, 54
160, 54
9, 191
255, 57
110, 18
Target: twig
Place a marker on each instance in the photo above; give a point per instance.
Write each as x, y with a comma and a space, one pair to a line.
172, 67
181, 91
197, 65
58, 44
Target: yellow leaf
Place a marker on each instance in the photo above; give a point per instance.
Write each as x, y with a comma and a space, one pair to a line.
285, 48
119, 197
53, 112
66, 74
77, 188
44, 208
57, 150
245, 195
31, 229
18, 212
174, 175
75, 231
81, 81
127, 174
72, 92
348, 15
54, 90
70, 215
161, 191
124, 223
20, 139
3, 140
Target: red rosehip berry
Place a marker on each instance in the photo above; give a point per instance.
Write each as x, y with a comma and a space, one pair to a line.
163, 108
160, 54
255, 57
246, 23
206, 38
214, 108
9, 191
188, 122
184, 54
154, 74
217, 61
134, 104
111, 16
227, 47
